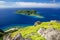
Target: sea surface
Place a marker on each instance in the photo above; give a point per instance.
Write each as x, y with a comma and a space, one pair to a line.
9, 17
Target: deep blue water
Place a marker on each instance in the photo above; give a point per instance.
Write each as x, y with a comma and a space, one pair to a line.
9, 16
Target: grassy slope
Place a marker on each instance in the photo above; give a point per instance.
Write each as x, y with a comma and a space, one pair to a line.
31, 31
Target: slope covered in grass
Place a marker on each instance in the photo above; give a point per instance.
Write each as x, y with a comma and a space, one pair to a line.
31, 31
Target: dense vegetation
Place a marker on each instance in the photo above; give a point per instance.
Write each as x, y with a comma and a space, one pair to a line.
27, 12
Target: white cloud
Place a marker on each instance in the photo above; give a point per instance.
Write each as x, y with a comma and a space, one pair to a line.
33, 4
4, 4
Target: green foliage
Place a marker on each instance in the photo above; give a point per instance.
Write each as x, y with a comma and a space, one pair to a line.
29, 13
31, 31
26, 12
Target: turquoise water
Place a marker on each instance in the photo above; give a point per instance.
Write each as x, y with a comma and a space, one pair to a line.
9, 18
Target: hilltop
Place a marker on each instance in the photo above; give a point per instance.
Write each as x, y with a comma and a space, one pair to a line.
31, 32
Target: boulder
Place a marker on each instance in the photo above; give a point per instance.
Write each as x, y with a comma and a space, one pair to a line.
37, 23
50, 33
41, 31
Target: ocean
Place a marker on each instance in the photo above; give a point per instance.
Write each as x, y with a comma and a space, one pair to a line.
9, 17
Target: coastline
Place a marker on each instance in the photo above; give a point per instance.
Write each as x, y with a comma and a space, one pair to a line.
31, 31
15, 26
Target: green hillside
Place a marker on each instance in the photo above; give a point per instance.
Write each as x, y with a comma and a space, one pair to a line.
31, 31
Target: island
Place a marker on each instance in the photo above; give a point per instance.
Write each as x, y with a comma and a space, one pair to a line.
29, 13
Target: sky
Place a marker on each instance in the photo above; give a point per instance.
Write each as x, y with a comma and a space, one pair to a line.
30, 0
29, 3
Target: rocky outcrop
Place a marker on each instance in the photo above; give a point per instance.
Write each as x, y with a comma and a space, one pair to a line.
17, 37
57, 21
7, 37
50, 33
11, 30
37, 23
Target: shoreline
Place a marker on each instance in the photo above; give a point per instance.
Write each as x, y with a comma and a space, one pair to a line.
14, 26
22, 25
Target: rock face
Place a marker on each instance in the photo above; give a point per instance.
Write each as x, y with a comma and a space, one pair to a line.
17, 37
7, 37
50, 33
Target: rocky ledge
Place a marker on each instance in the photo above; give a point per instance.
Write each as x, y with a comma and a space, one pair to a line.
8, 33
50, 33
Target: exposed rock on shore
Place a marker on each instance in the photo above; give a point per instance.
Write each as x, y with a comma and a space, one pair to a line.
50, 33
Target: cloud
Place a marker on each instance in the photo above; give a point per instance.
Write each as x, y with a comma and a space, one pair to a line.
33, 4
4, 4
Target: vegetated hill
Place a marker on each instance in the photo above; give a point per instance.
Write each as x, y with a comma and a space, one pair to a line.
31, 31
29, 13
